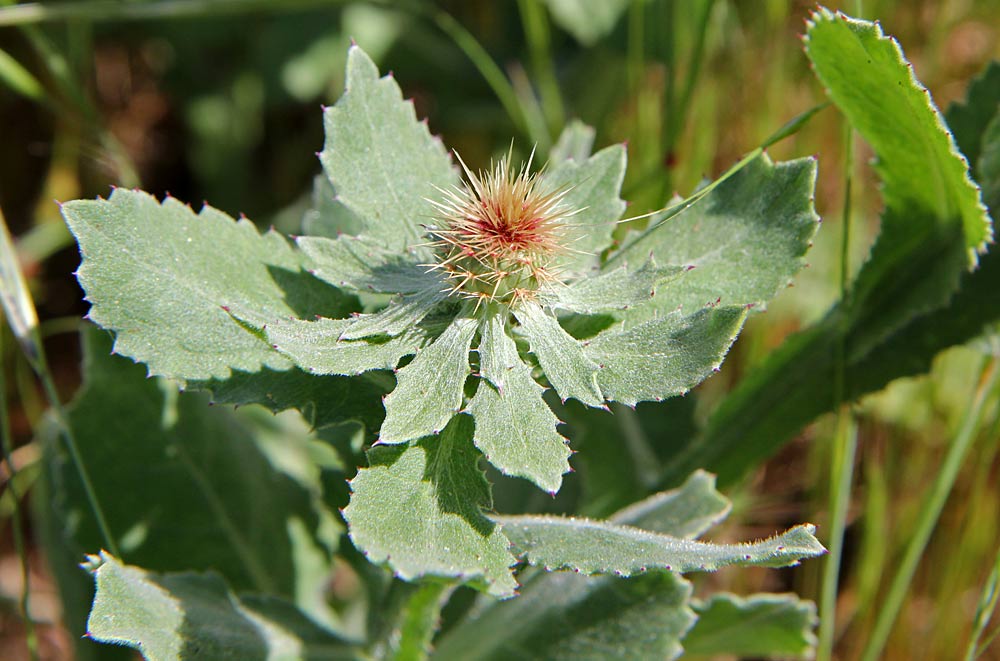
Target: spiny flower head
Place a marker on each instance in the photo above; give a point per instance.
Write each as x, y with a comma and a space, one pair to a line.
497, 236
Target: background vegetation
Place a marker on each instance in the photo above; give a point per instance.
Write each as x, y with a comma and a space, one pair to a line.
220, 100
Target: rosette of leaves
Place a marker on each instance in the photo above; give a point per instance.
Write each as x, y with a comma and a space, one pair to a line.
479, 294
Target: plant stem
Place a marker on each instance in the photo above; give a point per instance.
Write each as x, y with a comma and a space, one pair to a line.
846, 442
984, 611
419, 622
536, 31
31, 638
931, 511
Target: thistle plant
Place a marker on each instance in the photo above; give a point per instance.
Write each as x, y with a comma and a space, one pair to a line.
452, 305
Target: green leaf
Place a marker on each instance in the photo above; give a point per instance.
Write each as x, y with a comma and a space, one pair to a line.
429, 391
640, 617
194, 616
322, 400
398, 317
760, 626
575, 143
572, 617
869, 79
317, 347
418, 508
327, 216
968, 119
515, 428
380, 159
686, 512
186, 486
989, 165
663, 357
569, 371
618, 289
154, 274
903, 308
745, 239
363, 264
586, 20
598, 547
594, 186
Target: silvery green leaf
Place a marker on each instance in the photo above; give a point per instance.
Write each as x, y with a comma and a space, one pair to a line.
515, 428
593, 188
327, 216
774, 626
617, 289
418, 509
363, 264
380, 159
399, 316
429, 391
163, 277
575, 143
566, 366
599, 547
663, 357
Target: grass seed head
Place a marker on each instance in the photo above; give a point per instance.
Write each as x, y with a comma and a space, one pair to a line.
497, 236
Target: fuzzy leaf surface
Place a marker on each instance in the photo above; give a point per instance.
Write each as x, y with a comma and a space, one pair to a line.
759, 626
429, 391
418, 509
617, 289
575, 143
363, 264
193, 616
745, 239
515, 428
566, 366
155, 275
663, 357
380, 159
594, 187
316, 346
599, 547
398, 317
327, 216
640, 617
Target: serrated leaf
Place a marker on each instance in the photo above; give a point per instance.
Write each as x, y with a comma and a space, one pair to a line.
869, 79
686, 512
663, 357
317, 347
599, 547
904, 308
617, 289
380, 159
772, 626
194, 616
398, 317
327, 216
363, 264
594, 186
643, 616
429, 391
417, 508
322, 400
745, 239
575, 143
515, 428
186, 486
155, 274
569, 371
